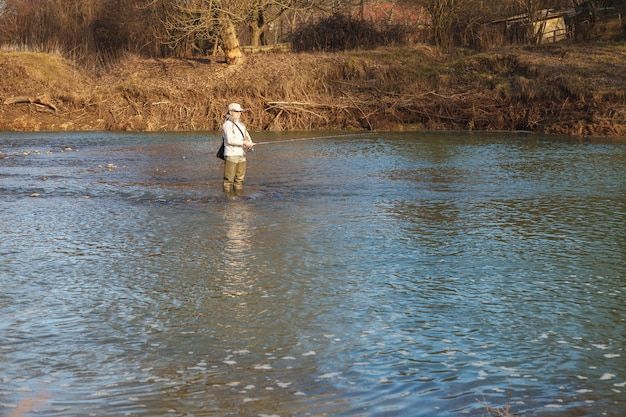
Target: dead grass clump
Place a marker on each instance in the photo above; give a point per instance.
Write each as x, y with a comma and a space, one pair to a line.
523, 89
429, 51
617, 96
565, 87
494, 64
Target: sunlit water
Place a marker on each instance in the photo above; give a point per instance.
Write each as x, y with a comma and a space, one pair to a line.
364, 275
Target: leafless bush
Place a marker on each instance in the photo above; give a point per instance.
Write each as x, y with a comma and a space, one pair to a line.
340, 32
91, 33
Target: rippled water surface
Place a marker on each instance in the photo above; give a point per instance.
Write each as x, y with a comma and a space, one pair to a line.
364, 275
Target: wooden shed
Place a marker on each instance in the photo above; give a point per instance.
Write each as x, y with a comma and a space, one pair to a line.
547, 27
550, 27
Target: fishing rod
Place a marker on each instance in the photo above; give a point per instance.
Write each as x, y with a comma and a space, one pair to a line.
311, 138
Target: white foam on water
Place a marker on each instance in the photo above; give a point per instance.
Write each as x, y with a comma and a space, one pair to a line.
329, 375
603, 347
309, 353
283, 384
606, 376
264, 366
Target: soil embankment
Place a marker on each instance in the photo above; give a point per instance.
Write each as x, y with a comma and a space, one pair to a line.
561, 88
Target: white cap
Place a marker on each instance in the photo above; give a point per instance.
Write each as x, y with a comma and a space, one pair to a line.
235, 107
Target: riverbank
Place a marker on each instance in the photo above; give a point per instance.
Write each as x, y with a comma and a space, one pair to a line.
563, 88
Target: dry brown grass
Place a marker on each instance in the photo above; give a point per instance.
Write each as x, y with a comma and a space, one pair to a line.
561, 88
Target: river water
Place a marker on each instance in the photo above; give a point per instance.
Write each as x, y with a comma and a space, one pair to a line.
412, 274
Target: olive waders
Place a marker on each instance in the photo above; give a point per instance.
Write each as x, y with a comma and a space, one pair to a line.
234, 173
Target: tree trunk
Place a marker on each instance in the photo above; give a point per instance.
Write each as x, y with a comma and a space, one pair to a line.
257, 30
232, 51
255, 34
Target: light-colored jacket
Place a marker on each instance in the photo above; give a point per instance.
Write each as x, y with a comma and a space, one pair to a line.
234, 134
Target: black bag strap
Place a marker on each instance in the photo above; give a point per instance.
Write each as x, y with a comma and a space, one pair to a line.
240, 131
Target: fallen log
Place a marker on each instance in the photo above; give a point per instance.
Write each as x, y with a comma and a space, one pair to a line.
28, 100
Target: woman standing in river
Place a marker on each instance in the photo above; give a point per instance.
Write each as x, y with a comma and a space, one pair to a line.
237, 142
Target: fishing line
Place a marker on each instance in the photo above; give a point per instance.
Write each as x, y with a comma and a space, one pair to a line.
312, 138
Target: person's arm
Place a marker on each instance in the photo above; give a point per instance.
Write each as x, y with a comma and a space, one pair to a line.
247, 142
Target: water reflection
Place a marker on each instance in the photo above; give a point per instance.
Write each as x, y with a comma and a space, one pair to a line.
237, 253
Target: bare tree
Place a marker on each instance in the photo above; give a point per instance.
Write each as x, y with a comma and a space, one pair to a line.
216, 21
265, 12
444, 14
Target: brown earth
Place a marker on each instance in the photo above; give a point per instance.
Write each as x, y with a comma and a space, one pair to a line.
563, 88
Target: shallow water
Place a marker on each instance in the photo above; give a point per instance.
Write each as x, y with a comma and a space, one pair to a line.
362, 275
